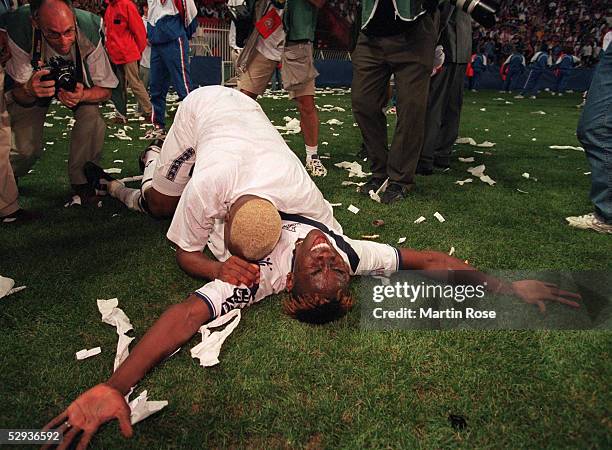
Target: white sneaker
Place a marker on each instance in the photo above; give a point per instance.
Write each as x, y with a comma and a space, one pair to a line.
589, 222
315, 167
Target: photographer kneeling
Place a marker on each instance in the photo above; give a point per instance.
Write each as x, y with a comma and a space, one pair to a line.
57, 51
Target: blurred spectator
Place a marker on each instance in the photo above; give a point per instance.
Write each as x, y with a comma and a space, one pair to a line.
126, 38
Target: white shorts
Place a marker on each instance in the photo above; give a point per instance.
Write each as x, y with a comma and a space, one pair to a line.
175, 161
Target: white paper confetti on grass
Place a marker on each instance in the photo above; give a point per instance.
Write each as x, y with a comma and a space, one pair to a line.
83, 354
112, 170
334, 122
353, 209
522, 192
467, 160
462, 182
472, 142
141, 407
374, 196
566, 147
401, 240
118, 161
478, 172
439, 216
48, 125
370, 237
335, 204
354, 169
6, 285
420, 220
123, 350
352, 183
451, 252
113, 315
542, 113
209, 349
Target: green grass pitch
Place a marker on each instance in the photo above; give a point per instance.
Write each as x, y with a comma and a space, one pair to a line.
282, 384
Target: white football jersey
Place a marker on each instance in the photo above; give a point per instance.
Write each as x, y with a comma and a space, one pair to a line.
363, 258
238, 152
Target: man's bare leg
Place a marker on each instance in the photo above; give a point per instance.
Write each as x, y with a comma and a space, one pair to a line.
309, 122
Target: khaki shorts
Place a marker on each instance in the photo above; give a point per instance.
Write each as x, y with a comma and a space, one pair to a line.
298, 71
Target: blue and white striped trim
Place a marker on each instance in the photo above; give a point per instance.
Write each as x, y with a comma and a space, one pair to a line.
208, 302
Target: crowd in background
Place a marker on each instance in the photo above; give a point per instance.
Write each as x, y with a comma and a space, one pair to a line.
552, 25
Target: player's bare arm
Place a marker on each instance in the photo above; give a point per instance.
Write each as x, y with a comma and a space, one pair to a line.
106, 401
530, 291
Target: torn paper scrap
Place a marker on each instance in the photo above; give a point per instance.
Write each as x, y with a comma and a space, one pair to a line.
370, 236
420, 220
470, 159
465, 140
335, 204
48, 125
209, 349
118, 161
462, 182
486, 144
451, 252
141, 407
477, 171
522, 192
353, 209
374, 196
114, 316
439, 216
487, 179
123, 350
401, 240
6, 284
84, 354
334, 122
565, 147
354, 169
542, 113
112, 170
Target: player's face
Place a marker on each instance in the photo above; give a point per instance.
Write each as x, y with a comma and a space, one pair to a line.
319, 268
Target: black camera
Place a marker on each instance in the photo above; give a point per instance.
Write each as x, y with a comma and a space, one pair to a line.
482, 11
63, 72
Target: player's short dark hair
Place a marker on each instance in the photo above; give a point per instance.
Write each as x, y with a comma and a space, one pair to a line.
317, 309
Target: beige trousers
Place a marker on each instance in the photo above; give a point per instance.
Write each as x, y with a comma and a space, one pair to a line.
8, 187
86, 138
132, 78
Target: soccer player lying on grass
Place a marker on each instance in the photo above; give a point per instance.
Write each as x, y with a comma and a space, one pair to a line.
218, 133
311, 261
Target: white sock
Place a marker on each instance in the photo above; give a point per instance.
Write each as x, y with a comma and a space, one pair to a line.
311, 151
128, 196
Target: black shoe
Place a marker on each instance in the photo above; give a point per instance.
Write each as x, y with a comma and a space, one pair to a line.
154, 146
94, 174
373, 184
18, 217
395, 192
423, 170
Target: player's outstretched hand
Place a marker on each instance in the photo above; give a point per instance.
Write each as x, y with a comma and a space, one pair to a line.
91, 409
537, 292
237, 271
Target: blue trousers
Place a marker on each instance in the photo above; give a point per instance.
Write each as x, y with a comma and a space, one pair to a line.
169, 65
562, 80
531, 85
511, 77
595, 134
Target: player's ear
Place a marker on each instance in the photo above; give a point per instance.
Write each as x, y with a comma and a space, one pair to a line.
289, 285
